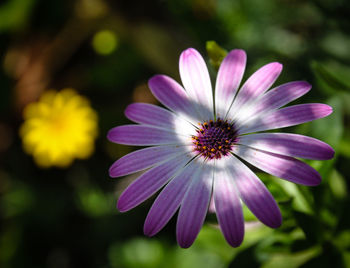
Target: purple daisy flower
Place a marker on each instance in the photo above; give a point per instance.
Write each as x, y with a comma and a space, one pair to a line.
198, 144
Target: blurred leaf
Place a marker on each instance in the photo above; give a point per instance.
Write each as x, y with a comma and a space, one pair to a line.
211, 239
330, 257
216, 54
18, 199
94, 202
246, 258
342, 241
330, 129
10, 239
310, 225
14, 13
299, 202
136, 253
288, 260
194, 258
333, 76
337, 184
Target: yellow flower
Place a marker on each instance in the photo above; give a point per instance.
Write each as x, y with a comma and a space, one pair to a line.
58, 128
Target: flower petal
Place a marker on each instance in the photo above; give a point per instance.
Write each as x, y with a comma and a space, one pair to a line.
228, 80
150, 182
271, 100
256, 85
149, 114
255, 194
286, 117
194, 208
142, 135
289, 144
195, 78
144, 158
281, 166
173, 96
228, 206
282, 95
169, 200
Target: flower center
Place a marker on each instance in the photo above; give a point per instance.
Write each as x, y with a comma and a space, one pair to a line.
214, 139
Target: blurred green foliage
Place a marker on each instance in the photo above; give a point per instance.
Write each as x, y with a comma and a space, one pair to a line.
107, 50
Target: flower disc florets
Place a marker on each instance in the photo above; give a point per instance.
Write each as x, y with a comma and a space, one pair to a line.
214, 139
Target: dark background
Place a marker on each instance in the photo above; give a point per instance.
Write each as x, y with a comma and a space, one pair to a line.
60, 218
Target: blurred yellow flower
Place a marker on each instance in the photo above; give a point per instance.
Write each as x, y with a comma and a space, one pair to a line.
58, 128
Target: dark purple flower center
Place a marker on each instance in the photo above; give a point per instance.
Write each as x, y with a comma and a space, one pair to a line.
214, 139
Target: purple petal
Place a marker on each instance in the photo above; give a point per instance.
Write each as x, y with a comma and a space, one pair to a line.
273, 99
228, 207
173, 96
228, 80
195, 78
286, 117
255, 194
142, 135
281, 166
289, 144
149, 114
256, 85
150, 182
142, 159
194, 208
168, 201
282, 95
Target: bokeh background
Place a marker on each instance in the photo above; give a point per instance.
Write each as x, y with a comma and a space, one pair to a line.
107, 50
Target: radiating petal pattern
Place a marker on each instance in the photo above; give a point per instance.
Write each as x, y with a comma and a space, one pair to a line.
272, 100
229, 77
144, 158
142, 135
173, 96
195, 78
256, 85
286, 117
150, 182
169, 200
149, 114
255, 194
228, 206
289, 144
281, 166
194, 208
281, 95
199, 151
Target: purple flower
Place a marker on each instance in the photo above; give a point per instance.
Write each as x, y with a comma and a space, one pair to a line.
198, 144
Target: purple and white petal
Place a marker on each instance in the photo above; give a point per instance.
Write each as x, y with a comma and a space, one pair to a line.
150, 182
227, 205
272, 100
143, 159
142, 135
256, 85
169, 200
286, 117
173, 96
150, 114
281, 166
194, 207
282, 95
289, 144
255, 194
195, 78
229, 77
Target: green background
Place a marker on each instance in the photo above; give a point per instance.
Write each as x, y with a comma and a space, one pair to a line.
60, 218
